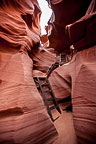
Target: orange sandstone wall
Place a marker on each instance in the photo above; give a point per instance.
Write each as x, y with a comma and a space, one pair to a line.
79, 78
23, 117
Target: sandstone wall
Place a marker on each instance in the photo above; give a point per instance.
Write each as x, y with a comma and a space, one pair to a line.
79, 78
23, 117
77, 26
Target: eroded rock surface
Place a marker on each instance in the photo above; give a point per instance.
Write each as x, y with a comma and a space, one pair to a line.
23, 117
66, 12
78, 78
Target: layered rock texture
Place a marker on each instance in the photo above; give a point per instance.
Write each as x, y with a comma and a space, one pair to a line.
78, 78
77, 26
66, 13
43, 59
23, 117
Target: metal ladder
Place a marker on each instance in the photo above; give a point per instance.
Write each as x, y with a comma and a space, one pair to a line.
47, 94
45, 89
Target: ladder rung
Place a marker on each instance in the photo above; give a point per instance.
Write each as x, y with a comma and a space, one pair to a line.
42, 78
49, 99
39, 78
45, 84
47, 91
53, 107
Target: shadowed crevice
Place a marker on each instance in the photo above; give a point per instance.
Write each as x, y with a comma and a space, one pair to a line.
11, 112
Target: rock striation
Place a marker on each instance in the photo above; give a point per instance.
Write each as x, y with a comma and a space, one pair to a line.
23, 116
43, 58
78, 78
66, 12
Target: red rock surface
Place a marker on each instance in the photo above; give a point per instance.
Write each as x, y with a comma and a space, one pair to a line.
23, 117
56, 1
65, 128
60, 82
19, 24
43, 59
66, 12
79, 78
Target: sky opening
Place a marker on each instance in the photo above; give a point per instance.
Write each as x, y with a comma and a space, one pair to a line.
45, 16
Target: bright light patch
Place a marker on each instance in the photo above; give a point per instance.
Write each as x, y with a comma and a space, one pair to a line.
45, 16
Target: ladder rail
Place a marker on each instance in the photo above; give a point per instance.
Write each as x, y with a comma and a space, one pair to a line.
45, 99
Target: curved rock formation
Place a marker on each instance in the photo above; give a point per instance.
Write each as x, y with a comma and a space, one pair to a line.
78, 78
43, 58
66, 12
23, 117
76, 27
19, 24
